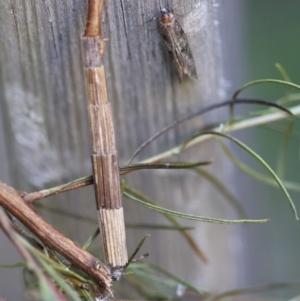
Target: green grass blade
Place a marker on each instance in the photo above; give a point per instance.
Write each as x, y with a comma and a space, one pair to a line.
158, 227
257, 175
259, 159
11, 266
283, 72
91, 239
264, 81
87, 295
189, 239
51, 272
190, 216
60, 281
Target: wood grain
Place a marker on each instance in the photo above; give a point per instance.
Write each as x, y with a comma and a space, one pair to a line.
43, 101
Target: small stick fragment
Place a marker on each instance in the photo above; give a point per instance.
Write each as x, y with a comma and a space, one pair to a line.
93, 23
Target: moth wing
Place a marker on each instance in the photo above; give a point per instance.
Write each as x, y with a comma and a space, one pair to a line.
184, 54
171, 41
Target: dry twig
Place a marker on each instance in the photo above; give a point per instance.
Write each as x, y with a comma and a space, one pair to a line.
11, 200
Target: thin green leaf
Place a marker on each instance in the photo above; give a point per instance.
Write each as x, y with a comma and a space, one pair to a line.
163, 165
91, 239
189, 239
58, 267
287, 99
44, 286
48, 293
264, 81
15, 265
158, 227
259, 159
87, 295
257, 175
60, 281
190, 216
202, 111
283, 72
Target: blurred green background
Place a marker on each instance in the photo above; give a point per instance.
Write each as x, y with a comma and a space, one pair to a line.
268, 32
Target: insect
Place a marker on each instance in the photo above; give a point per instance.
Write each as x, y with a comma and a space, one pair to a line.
177, 44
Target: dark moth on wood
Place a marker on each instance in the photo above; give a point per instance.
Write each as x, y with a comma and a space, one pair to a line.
176, 41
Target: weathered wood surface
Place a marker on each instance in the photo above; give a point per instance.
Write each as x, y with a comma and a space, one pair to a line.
43, 103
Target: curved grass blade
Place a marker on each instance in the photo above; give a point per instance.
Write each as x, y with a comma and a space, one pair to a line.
164, 165
238, 125
257, 175
264, 81
259, 159
283, 72
287, 78
203, 111
223, 190
157, 227
59, 280
91, 239
190, 216
227, 128
87, 295
12, 266
59, 267
189, 239
51, 272
78, 183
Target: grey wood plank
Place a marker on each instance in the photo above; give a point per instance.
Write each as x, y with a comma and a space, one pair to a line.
43, 102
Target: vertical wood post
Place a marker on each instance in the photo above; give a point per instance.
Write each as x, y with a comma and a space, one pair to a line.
47, 134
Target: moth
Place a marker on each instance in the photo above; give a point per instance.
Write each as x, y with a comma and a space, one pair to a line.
177, 44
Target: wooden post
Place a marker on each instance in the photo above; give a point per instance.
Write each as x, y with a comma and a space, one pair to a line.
47, 132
